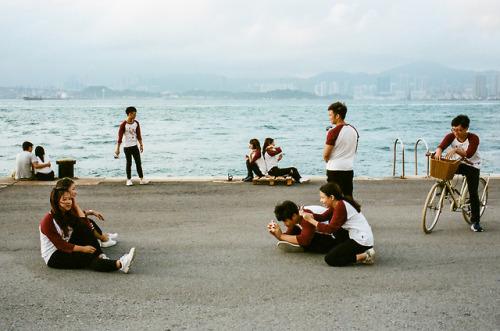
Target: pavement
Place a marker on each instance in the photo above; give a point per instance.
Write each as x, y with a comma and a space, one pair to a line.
205, 261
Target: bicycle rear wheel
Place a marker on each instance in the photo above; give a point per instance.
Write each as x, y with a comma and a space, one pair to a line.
433, 206
482, 190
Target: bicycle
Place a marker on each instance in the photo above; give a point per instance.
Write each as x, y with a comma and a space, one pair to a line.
444, 170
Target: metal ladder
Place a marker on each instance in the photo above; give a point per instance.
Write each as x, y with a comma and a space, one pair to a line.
403, 157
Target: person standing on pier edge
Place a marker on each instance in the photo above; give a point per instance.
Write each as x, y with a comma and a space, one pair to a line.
340, 149
130, 134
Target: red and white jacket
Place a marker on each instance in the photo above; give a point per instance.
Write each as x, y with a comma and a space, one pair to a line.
52, 238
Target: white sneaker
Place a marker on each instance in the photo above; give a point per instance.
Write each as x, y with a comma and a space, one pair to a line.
304, 180
371, 256
112, 236
126, 260
129, 182
285, 246
144, 181
108, 243
104, 257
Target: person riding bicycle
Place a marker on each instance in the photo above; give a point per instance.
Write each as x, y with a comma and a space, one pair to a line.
465, 147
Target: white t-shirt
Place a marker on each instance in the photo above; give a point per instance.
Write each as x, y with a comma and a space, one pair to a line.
44, 170
24, 163
344, 139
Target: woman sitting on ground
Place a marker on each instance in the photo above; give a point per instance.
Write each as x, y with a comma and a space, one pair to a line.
67, 242
41, 167
105, 239
255, 163
353, 239
272, 155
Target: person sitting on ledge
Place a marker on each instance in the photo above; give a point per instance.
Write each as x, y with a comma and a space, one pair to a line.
42, 165
255, 163
24, 162
272, 155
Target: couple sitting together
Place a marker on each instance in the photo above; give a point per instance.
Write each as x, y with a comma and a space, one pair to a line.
340, 230
266, 162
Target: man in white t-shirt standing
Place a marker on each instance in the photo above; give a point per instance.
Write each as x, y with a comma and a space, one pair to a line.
340, 149
130, 134
24, 162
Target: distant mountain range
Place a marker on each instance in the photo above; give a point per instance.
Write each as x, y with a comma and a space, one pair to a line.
435, 77
416, 80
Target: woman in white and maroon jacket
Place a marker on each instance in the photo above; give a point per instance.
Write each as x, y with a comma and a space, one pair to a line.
67, 242
353, 235
272, 155
255, 162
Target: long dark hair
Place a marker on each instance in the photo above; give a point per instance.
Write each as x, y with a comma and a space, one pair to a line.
255, 143
64, 219
40, 152
333, 189
267, 142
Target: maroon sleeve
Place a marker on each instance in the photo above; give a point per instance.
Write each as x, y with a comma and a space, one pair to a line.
49, 229
473, 145
339, 217
273, 152
447, 141
121, 131
255, 157
306, 235
138, 131
333, 134
327, 215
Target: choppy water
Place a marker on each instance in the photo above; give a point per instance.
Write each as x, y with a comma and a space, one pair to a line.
190, 138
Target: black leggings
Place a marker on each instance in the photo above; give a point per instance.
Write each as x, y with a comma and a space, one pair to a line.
275, 171
83, 236
129, 152
340, 251
253, 168
472, 176
41, 176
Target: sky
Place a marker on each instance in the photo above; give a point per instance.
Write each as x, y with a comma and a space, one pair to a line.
51, 41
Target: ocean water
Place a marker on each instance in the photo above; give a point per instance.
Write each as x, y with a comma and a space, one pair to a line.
209, 138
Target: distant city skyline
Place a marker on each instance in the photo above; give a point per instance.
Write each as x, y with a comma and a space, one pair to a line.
51, 42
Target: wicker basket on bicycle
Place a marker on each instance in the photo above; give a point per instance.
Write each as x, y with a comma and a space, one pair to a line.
444, 169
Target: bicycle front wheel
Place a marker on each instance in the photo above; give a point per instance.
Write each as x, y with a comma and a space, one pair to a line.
433, 207
482, 191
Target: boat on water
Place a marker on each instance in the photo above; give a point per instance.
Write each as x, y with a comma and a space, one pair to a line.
32, 98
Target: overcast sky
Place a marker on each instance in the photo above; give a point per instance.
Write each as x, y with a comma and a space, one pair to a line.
101, 40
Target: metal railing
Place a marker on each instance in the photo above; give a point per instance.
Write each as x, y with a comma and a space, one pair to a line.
428, 156
403, 157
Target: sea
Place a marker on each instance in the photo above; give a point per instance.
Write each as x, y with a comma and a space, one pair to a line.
200, 138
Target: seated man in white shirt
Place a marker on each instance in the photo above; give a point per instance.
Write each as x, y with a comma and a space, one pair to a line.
24, 162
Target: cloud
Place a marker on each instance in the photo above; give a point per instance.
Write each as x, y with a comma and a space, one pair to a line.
151, 37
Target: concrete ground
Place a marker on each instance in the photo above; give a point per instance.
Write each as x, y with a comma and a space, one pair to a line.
205, 261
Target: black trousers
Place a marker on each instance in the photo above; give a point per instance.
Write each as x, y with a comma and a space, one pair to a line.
340, 251
344, 178
83, 236
129, 152
275, 171
253, 168
49, 176
472, 176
